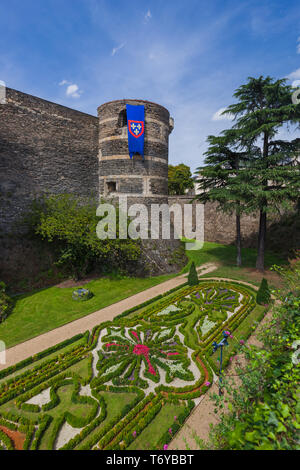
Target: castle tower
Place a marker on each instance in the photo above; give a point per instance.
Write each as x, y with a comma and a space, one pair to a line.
141, 180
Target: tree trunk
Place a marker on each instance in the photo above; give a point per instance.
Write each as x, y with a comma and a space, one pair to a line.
238, 240
260, 261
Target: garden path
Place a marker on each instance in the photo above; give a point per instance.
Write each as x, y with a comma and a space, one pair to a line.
51, 338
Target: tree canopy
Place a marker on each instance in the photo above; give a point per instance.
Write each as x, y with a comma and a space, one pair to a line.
70, 225
249, 167
179, 179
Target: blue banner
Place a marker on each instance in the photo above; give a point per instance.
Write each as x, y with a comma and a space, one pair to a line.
136, 129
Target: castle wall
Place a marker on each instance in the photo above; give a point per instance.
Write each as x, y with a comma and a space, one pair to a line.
218, 226
43, 147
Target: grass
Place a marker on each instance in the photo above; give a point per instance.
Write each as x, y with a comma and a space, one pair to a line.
41, 311
226, 255
157, 427
46, 309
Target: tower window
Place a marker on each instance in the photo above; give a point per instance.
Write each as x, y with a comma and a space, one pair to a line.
111, 186
122, 118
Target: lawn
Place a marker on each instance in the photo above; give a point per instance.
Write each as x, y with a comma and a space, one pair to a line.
42, 311
226, 255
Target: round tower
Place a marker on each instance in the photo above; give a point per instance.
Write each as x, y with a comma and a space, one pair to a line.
141, 180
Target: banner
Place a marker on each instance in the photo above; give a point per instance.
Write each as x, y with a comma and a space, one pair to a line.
136, 129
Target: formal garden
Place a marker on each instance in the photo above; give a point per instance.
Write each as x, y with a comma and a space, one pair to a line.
132, 382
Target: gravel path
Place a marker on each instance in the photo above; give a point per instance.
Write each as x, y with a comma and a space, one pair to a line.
35, 345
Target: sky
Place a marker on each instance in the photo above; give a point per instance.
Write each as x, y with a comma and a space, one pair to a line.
187, 55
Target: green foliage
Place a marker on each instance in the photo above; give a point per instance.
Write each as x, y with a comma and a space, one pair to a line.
193, 276
226, 156
70, 224
263, 294
179, 179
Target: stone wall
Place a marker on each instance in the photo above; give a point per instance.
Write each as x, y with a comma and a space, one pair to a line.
43, 147
282, 235
218, 226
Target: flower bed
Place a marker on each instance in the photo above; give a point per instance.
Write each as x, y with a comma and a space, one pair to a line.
160, 354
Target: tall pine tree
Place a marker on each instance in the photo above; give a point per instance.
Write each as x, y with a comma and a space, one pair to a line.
273, 179
218, 179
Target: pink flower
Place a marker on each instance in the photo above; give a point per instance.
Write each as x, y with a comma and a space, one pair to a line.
231, 359
170, 430
242, 341
166, 447
207, 384
175, 417
227, 332
230, 336
134, 433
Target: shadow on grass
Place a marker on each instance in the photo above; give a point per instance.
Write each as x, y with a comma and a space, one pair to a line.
226, 255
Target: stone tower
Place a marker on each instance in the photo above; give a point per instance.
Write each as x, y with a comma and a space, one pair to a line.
141, 180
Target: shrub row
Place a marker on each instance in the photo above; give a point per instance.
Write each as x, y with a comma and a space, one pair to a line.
167, 436
148, 302
37, 375
138, 423
92, 426
6, 441
120, 425
41, 355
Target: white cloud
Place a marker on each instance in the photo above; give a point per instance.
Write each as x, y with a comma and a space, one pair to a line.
218, 115
72, 89
148, 16
295, 77
64, 82
116, 49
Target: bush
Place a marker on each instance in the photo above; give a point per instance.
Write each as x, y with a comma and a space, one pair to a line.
193, 276
69, 225
263, 294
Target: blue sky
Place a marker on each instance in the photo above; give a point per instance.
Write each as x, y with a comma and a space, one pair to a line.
188, 55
